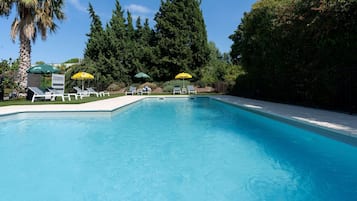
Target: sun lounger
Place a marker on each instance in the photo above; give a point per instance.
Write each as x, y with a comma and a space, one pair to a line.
131, 90
59, 93
101, 93
176, 90
146, 90
191, 89
81, 93
38, 93
91, 91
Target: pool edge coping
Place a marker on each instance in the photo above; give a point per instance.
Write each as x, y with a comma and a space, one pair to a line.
338, 135
115, 108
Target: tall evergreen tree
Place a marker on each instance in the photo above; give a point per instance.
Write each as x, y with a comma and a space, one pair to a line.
116, 30
198, 35
144, 45
97, 52
132, 53
138, 28
130, 32
148, 33
149, 58
95, 41
181, 38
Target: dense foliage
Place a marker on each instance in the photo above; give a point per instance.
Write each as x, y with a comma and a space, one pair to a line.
219, 70
118, 51
181, 38
8, 71
121, 49
299, 51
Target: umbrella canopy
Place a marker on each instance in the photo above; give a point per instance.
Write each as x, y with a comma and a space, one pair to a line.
82, 76
141, 75
43, 69
183, 76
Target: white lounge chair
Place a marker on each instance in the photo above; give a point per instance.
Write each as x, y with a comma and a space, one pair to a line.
81, 93
38, 93
59, 93
58, 85
146, 90
191, 89
131, 90
101, 93
176, 90
91, 91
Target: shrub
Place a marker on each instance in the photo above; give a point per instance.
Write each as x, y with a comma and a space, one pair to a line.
116, 86
149, 84
169, 86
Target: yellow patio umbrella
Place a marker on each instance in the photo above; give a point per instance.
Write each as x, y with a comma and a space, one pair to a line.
183, 76
82, 76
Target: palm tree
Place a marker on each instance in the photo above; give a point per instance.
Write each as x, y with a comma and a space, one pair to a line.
33, 17
5, 6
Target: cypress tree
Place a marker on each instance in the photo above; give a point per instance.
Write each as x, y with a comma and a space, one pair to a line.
129, 26
181, 38
148, 57
139, 46
119, 51
95, 41
96, 52
133, 52
139, 29
198, 35
117, 37
147, 33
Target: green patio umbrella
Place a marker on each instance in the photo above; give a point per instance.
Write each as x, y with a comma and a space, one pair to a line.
141, 75
43, 69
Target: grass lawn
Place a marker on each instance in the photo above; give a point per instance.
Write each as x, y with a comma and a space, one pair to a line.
23, 101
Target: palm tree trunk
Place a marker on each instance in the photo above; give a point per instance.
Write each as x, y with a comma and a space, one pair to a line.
25, 61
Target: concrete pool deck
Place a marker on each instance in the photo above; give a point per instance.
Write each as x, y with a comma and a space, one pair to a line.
337, 122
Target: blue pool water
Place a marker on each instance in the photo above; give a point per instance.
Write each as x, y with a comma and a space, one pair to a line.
171, 149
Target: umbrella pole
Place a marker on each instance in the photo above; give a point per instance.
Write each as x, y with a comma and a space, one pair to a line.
82, 85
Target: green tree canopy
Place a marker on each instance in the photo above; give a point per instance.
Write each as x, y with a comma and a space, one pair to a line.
95, 43
122, 49
181, 38
298, 51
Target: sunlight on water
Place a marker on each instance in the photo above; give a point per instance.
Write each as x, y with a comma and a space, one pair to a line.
172, 149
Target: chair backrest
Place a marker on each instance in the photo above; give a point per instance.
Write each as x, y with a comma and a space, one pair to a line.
132, 88
90, 89
58, 82
77, 89
54, 91
36, 90
190, 87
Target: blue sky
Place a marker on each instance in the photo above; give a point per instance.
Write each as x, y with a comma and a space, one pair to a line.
221, 17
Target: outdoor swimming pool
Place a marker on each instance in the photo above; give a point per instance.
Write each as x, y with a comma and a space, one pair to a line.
171, 149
